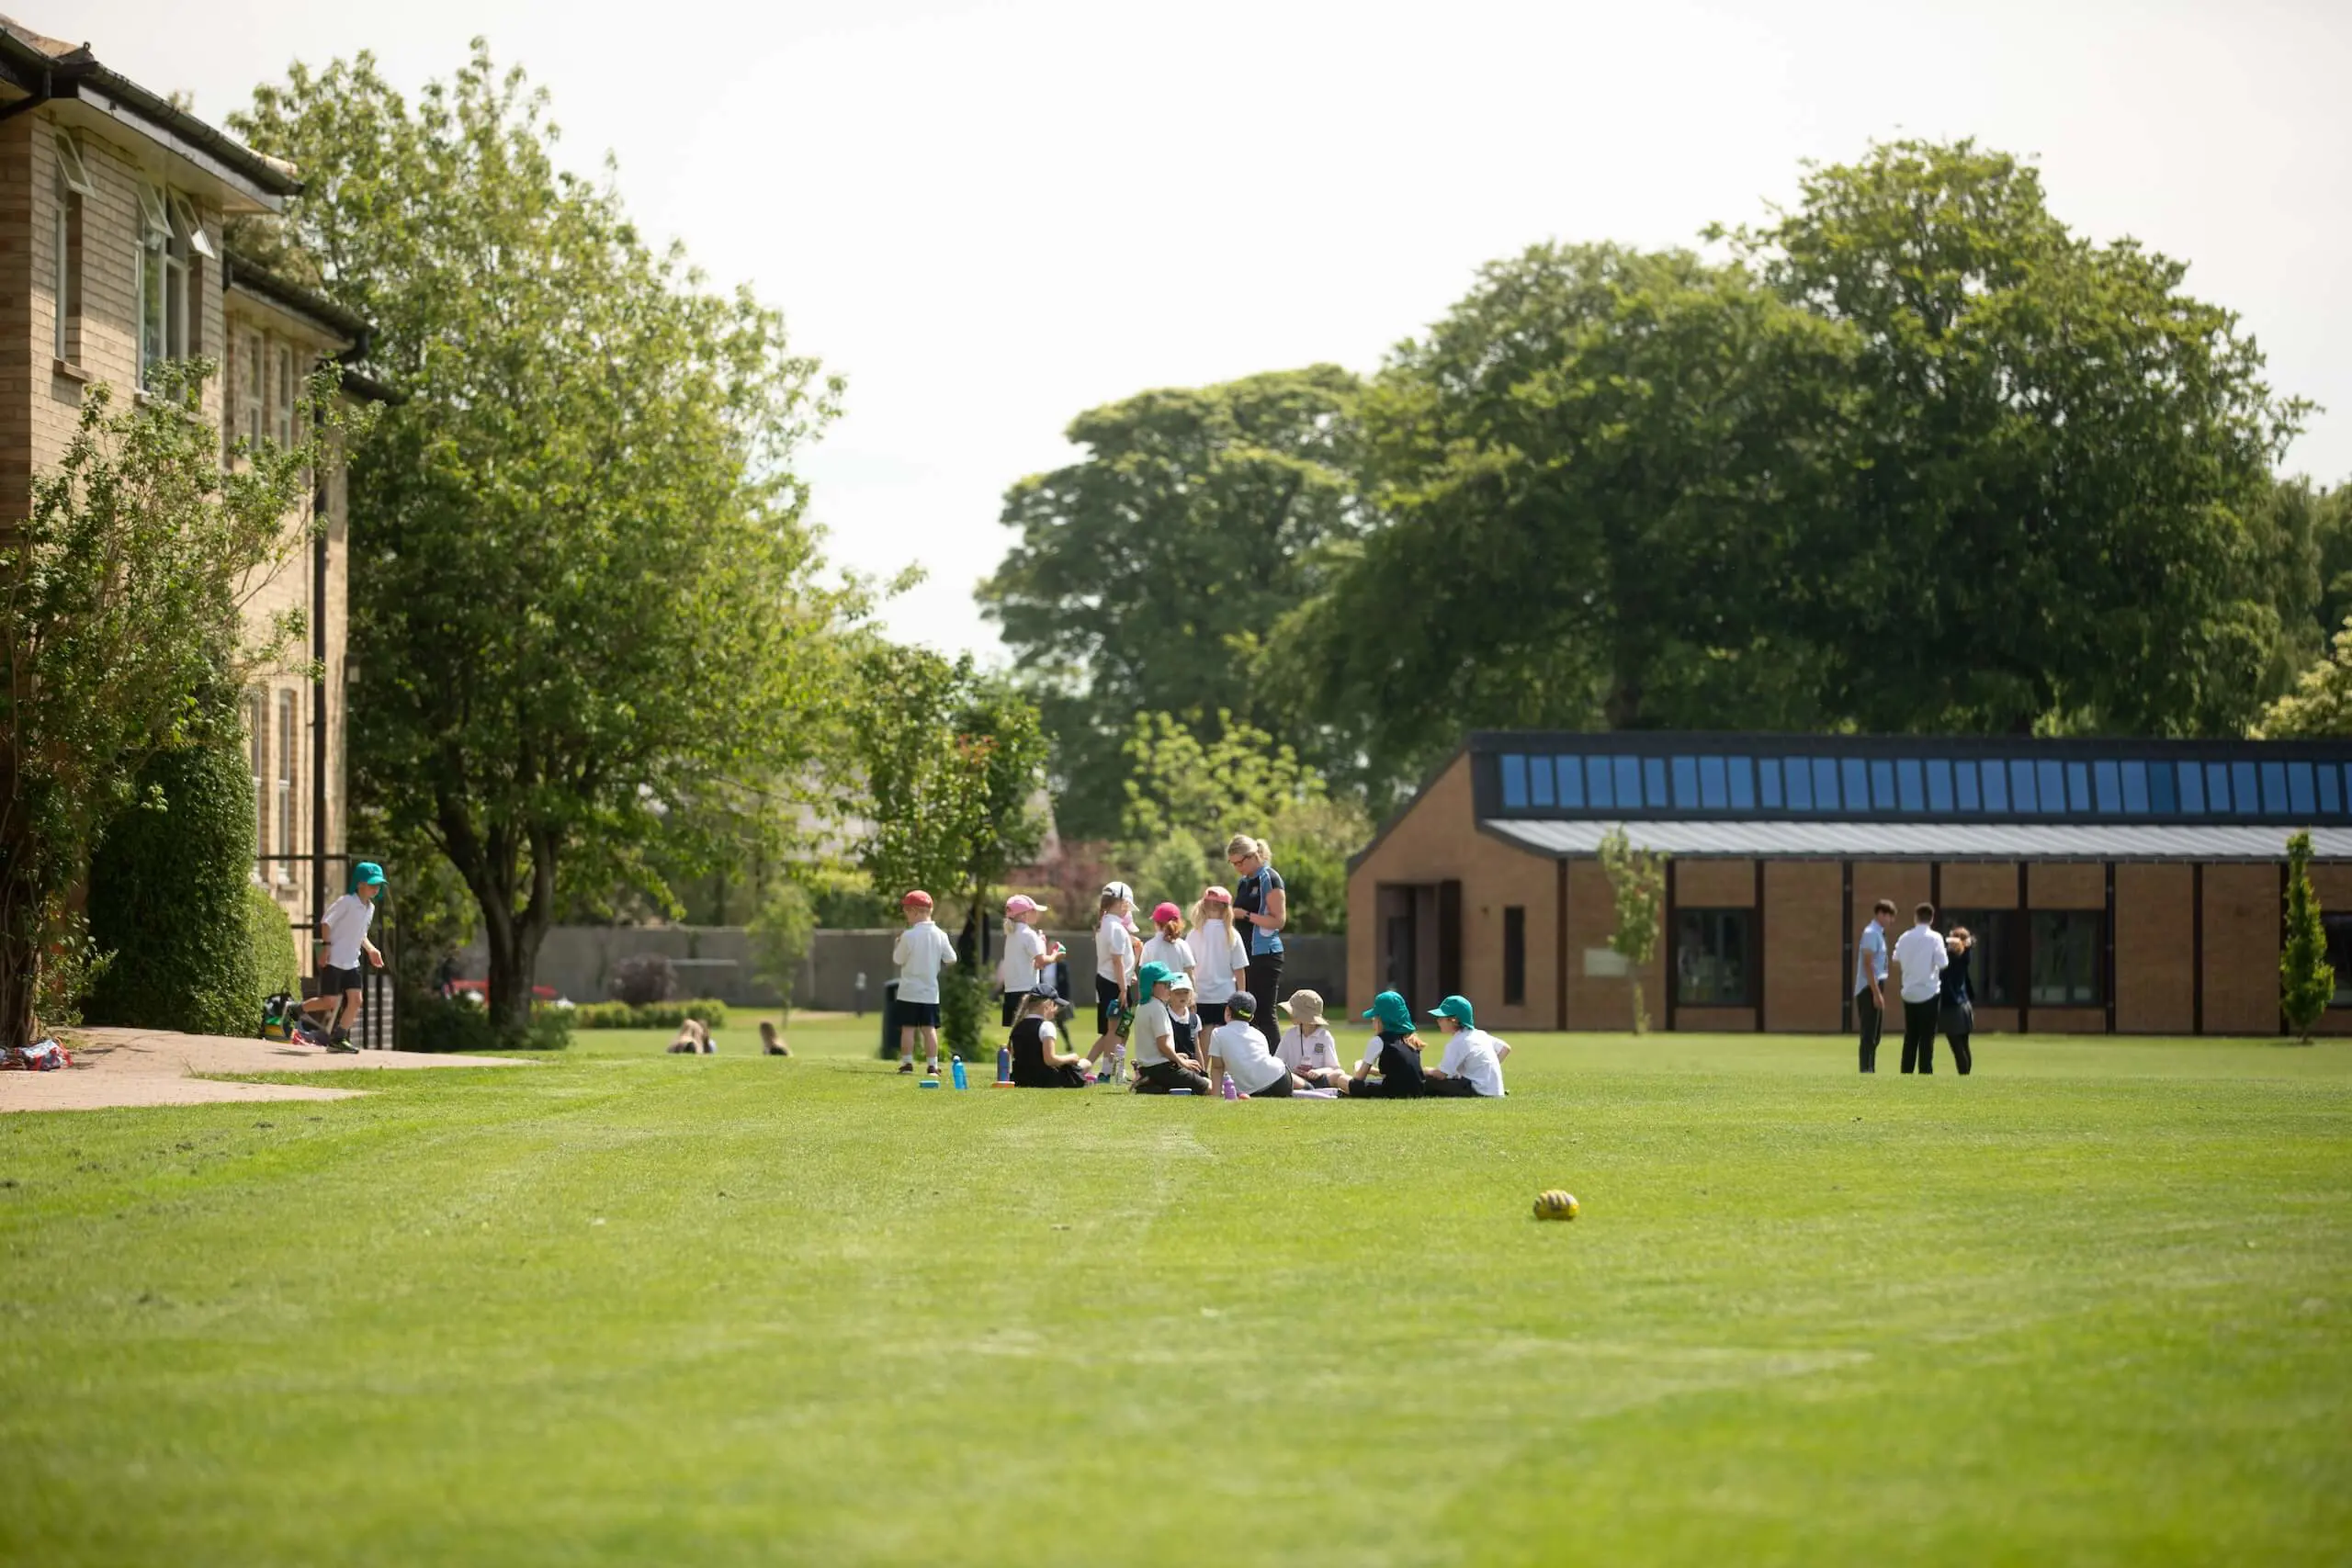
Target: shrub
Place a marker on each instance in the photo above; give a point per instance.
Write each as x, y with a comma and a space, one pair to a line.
277, 962
550, 1029
431, 1022
643, 977
780, 934
169, 900
963, 1012
652, 1015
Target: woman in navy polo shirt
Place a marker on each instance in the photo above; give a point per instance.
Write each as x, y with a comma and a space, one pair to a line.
1259, 906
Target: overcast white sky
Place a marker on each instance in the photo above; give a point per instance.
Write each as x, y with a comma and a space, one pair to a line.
993, 215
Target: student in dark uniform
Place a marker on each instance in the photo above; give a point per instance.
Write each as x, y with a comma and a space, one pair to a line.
1958, 1001
1396, 1051
1038, 1060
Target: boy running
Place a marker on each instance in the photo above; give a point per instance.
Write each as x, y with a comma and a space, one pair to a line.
343, 937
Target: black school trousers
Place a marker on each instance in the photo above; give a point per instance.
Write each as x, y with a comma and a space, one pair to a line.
1920, 1035
1872, 1019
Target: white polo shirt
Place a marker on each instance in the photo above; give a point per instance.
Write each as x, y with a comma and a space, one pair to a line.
1220, 958
1112, 939
1154, 1032
1920, 952
1017, 971
1470, 1053
1243, 1050
1174, 952
921, 950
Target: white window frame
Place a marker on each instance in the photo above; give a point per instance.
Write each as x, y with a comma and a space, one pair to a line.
253, 398
289, 739
156, 275
257, 721
284, 406
72, 187
192, 225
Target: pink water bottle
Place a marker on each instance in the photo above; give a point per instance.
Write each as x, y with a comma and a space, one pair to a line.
1229, 1091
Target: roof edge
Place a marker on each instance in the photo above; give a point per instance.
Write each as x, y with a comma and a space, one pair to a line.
1389, 824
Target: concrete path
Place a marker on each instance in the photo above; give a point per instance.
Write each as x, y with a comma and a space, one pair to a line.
154, 1066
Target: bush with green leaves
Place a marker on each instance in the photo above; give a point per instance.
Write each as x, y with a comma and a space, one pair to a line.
445, 1024
170, 899
277, 962
651, 1015
963, 1012
780, 934
642, 979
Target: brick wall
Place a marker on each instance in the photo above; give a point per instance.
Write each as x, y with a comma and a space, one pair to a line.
2241, 950
1438, 841
2066, 885
1604, 1000
1804, 970
2155, 937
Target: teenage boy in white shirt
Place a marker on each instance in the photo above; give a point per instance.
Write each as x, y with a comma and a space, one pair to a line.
1869, 981
1473, 1063
1919, 953
921, 950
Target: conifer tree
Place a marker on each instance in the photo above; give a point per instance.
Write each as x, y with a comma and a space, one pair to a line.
2306, 979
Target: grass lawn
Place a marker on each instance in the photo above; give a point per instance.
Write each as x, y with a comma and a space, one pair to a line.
2091, 1305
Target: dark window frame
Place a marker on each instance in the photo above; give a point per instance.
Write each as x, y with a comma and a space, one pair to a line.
1514, 956
1692, 928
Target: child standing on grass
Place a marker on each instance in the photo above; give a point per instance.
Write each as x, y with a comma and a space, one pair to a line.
1395, 1050
1159, 1067
343, 937
921, 951
1307, 1048
1114, 975
1219, 954
1027, 953
1167, 945
1038, 1061
1473, 1063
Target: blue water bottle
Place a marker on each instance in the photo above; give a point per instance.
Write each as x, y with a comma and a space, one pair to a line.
958, 1070
1004, 1064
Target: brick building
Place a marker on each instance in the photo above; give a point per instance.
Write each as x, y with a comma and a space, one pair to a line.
2114, 886
112, 262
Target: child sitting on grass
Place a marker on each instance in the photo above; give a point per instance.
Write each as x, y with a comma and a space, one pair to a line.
1038, 1061
1473, 1063
1238, 1047
1307, 1048
693, 1039
1395, 1050
1181, 1014
771, 1043
1159, 1067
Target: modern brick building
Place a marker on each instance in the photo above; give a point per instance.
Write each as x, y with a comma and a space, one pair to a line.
113, 262
2114, 886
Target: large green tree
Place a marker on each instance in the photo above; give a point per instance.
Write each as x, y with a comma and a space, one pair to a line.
581, 581
1593, 474
1148, 573
2056, 461
946, 765
123, 634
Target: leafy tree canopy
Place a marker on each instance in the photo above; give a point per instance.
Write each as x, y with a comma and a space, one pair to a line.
581, 581
1148, 573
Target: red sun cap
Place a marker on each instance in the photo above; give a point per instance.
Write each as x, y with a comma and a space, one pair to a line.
918, 898
1165, 913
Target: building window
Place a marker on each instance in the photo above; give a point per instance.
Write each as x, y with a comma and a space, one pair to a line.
284, 406
73, 186
1514, 956
251, 403
288, 735
1711, 957
2066, 970
1992, 962
162, 281
2339, 956
257, 738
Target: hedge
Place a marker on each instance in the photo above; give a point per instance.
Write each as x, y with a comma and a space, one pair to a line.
651, 1015
277, 961
171, 898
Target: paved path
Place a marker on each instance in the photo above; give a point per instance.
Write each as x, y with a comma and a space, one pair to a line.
155, 1067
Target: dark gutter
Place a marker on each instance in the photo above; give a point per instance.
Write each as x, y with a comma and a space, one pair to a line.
78, 76
245, 274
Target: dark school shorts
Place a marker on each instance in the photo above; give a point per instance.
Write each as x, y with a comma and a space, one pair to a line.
918, 1015
1106, 1001
334, 982
1211, 1014
1281, 1088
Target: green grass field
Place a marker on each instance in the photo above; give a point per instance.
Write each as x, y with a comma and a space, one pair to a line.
2090, 1305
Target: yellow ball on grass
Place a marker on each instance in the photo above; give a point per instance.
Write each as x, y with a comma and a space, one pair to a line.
1556, 1205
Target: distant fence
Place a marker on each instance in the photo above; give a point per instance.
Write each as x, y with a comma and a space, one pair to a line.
578, 962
